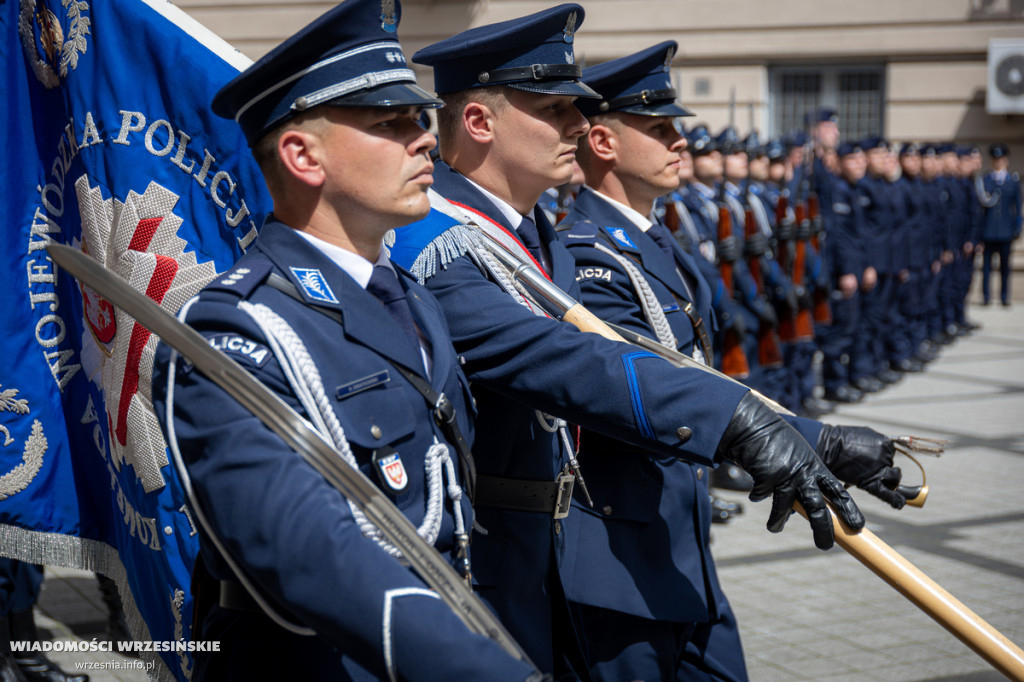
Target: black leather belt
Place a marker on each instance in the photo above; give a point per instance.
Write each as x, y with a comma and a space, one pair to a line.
235, 597
544, 497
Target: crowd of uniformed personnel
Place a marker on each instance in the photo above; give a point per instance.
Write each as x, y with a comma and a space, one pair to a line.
859, 254
403, 357
863, 251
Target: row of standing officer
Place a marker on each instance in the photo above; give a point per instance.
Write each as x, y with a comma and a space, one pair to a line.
319, 311
908, 224
905, 266
740, 208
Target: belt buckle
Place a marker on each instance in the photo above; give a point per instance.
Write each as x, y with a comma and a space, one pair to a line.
563, 497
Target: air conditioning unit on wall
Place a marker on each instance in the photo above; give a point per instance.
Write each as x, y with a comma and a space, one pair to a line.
1005, 92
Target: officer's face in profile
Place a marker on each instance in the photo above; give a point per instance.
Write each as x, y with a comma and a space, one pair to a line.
708, 167
853, 166
685, 166
777, 171
535, 138
877, 160
827, 134
377, 165
911, 164
758, 168
647, 155
930, 166
736, 166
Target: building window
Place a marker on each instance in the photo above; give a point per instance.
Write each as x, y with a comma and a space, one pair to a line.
855, 92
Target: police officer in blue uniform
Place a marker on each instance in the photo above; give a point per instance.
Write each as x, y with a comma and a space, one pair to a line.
910, 193
668, 618
509, 132
667, 615
883, 222
1001, 222
320, 315
848, 273
696, 199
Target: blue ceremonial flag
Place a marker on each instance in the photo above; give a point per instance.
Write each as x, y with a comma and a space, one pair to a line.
109, 145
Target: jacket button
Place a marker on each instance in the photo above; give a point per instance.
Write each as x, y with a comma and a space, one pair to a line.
684, 433
700, 473
607, 510
375, 431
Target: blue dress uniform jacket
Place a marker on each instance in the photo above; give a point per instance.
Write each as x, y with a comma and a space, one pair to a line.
648, 531
518, 362
293, 533
1002, 220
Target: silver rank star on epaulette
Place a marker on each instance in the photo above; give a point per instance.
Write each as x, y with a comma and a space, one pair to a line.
570, 28
235, 277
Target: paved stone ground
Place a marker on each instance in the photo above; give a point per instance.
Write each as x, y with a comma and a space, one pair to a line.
811, 615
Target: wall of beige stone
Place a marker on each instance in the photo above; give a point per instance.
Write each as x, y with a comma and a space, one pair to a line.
934, 51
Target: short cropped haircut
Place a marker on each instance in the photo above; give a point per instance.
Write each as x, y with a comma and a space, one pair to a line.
449, 117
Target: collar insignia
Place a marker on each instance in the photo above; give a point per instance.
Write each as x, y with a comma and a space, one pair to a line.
313, 283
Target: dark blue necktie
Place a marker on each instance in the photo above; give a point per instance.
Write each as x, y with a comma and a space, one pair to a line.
385, 286
531, 238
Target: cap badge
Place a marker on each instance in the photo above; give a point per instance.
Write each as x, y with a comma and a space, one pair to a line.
389, 22
570, 28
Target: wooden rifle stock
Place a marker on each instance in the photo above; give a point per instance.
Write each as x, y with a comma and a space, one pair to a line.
769, 354
734, 359
822, 305
798, 326
671, 216
785, 254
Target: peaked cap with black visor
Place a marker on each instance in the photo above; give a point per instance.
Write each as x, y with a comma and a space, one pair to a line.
639, 83
347, 57
532, 53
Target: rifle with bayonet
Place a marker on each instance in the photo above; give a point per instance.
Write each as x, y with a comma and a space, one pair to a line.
798, 324
810, 231
734, 358
769, 353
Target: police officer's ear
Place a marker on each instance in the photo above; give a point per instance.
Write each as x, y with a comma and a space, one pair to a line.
478, 119
603, 141
301, 150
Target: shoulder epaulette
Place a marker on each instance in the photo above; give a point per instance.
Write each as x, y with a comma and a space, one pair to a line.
243, 278
581, 233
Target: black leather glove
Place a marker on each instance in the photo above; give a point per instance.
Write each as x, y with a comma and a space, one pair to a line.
756, 245
735, 323
862, 457
785, 231
766, 315
728, 250
791, 299
784, 465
